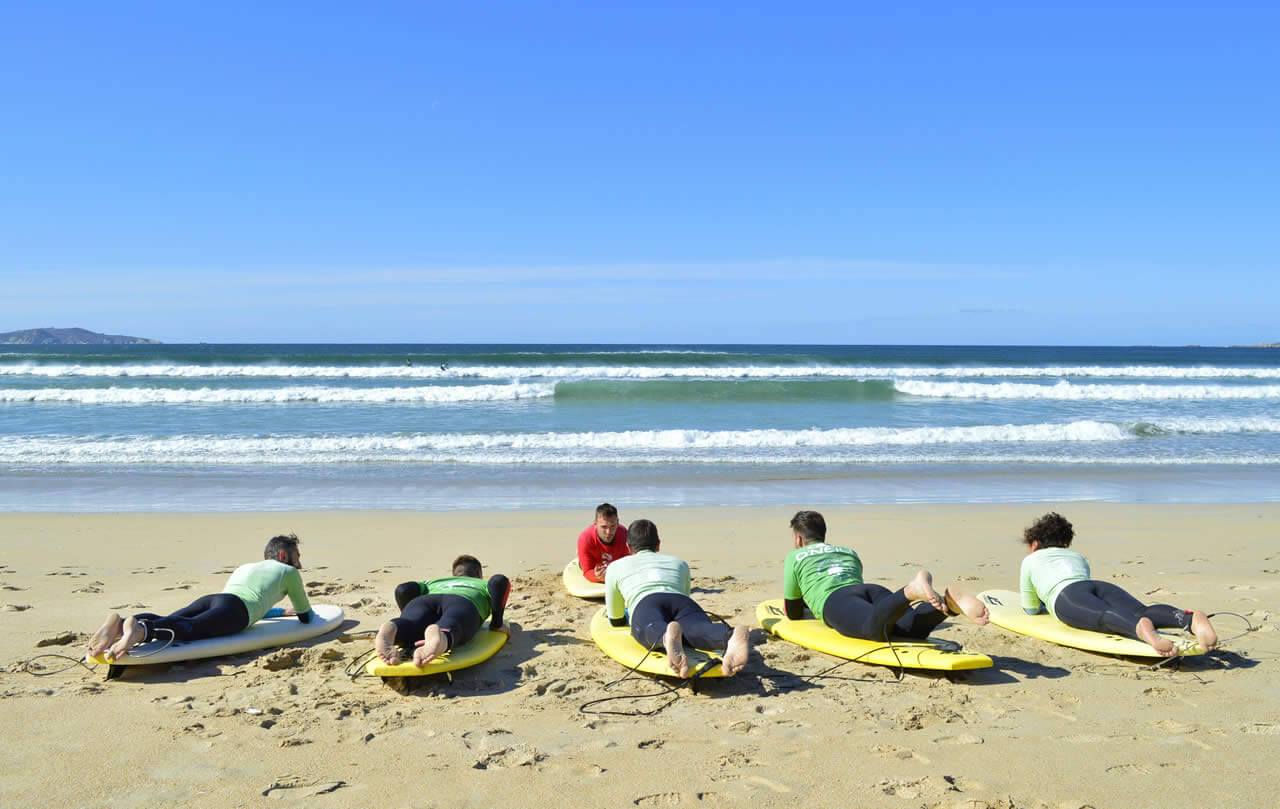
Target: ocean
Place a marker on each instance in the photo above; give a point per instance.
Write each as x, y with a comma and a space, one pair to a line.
433, 427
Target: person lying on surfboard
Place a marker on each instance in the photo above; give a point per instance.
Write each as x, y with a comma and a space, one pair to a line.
654, 588
247, 598
828, 578
442, 614
601, 543
1056, 578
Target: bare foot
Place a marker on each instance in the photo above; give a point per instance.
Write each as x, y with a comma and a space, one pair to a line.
960, 601
131, 635
107, 634
1203, 630
921, 589
673, 642
1147, 631
385, 644
735, 656
432, 645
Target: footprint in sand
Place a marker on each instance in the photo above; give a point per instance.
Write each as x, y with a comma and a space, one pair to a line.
893, 751
1171, 726
660, 799
1128, 769
964, 738
16, 607
1243, 587
1262, 729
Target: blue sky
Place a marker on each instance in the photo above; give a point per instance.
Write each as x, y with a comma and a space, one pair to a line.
839, 173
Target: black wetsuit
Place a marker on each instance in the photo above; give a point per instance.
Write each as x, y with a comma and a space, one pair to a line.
651, 615
455, 615
873, 612
210, 616
1101, 606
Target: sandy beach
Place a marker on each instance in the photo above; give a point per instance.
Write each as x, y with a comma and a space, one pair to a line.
1045, 727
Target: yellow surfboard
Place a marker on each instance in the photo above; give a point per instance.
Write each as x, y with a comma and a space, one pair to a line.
904, 652
578, 584
616, 641
1005, 609
483, 646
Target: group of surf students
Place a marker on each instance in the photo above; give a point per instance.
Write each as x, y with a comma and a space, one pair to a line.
650, 591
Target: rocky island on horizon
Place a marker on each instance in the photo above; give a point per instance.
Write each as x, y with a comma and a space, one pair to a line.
68, 337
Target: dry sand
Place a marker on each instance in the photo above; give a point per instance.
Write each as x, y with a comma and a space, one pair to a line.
1046, 727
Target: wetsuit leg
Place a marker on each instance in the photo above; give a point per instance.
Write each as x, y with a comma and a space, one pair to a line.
455, 615
866, 611
918, 621
210, 616
1106, 607
1098, 607
407, 592
651, 615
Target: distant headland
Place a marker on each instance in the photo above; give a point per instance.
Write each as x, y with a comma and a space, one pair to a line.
69, 337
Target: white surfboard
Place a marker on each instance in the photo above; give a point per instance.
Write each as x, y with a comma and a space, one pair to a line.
265, 634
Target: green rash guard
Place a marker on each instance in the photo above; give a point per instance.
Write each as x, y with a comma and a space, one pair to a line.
472, 589
1045, 572
261, 584
816, 571
631, 578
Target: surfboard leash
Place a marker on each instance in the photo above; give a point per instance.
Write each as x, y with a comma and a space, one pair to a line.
673, 691
36, 669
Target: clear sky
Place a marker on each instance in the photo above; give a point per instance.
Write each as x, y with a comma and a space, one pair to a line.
600, 172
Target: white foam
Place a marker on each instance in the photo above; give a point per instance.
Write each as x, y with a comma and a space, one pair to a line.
1068, 391
842, 445
322, 395
571, 372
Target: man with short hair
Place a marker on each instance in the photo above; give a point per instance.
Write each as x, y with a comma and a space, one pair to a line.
246, 599
442, 614
655, 588
828, 579
602, 542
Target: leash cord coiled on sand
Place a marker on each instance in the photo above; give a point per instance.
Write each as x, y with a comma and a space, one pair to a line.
31, 667
672, 691
83, 661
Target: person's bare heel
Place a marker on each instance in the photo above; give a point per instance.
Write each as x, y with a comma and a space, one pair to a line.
920, 588
673, 643
1204, 632
385, 644
958, 601
434, 643
107, 634
1147, 631
131, 636
735, 655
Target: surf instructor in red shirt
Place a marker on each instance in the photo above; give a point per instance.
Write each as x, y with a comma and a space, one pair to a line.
602, 542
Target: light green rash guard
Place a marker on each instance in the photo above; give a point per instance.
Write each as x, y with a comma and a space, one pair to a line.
1045, 572
261, 584
472, 589
631, 578
816, 571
